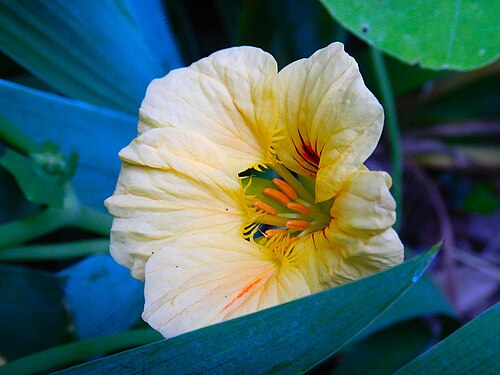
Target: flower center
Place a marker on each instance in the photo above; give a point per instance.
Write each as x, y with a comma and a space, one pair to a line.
285, 206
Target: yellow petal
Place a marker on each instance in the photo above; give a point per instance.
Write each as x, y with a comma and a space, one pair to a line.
229, 97
333, 121
364, 255
164, 148
365, 205
167, 193
207, 278
334, 257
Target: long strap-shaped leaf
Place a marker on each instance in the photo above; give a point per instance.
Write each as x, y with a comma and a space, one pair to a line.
473, 349
290, 338
92, 50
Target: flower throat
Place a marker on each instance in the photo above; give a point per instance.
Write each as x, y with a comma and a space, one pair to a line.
285, 206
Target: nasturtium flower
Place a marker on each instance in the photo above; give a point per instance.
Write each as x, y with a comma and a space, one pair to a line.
211, 244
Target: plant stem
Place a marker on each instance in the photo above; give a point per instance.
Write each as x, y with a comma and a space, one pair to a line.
93, 221
60, 356
51, 219
64, 250
16, 138
32, 227
388, 101
72, 214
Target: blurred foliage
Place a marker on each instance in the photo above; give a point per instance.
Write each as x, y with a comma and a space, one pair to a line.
73, 74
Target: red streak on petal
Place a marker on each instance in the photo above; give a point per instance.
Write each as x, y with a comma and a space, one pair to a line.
309, 154
244, 291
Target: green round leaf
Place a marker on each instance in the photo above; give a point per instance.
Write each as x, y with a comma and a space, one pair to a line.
444, 34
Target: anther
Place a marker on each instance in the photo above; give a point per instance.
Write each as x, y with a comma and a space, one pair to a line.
285, 188
299, 208
277, 196
273, 232
261, 206
298, 224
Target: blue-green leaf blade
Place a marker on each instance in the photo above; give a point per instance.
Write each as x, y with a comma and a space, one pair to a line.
422, 299
101, 297
92, 50
59, 356
32, 314
290, 338
97, 134
386, 351
151, 17
446, 34
473, 349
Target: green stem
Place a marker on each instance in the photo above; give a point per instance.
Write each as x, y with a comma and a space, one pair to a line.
32, 227
16, 138
64, 355
51, 219
93, 221
72, 214
384, 84
65, 250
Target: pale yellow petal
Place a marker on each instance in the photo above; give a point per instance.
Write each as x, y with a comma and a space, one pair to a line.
365, 204
208, 278
333, 121
163, 148
176, 194
334, 257
364, 255
229, 97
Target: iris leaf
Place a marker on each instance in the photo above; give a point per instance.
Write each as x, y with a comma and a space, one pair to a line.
101, 296
380, 355
79, 351
31, 308
423, 298
152, 19
473, 349
448, 34
96, 51
290, 338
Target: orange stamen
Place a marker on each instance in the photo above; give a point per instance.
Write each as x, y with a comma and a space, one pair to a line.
285, 188
277, 196
268, 209
299, 208
273, 232
298, 224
